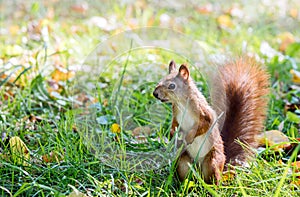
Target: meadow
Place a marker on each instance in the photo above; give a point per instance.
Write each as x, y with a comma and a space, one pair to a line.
77, 114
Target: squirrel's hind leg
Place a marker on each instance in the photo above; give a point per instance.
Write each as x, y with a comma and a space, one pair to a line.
212, 167
182, 165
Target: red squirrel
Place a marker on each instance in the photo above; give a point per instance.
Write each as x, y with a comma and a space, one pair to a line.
246, 86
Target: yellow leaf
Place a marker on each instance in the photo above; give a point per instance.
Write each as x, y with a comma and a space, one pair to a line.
294, 13
296, 182
228, 175
295, 76
115, 128
105, 102
19, 151
189, 184
285, 39
225, 21
61, 74
14, 30
296, 165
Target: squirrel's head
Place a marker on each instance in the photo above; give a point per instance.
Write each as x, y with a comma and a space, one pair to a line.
174, 86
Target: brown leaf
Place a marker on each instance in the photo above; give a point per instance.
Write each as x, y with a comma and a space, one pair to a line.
80, 8
296, 182
62, 74
285, 39
206, 9
296, 165
54, 156
273, 137
141, 131
292, 107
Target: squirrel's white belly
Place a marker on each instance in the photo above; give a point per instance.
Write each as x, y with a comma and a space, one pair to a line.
201, 143
185, 120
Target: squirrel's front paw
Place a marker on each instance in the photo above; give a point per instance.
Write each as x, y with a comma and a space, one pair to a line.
189, 139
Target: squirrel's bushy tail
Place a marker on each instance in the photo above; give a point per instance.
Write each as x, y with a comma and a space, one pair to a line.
246, 88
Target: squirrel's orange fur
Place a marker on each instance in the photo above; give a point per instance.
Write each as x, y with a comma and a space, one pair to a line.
246, 86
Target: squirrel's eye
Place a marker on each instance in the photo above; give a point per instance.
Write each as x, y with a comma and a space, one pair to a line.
171, 86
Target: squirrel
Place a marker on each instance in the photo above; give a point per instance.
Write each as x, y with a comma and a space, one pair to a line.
245, 85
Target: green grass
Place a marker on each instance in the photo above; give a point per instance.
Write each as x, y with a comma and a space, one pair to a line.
37, 38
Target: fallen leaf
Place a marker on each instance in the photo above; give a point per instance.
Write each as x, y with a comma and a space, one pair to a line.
54, 156
19, 151
280, 162
62, 74
294, 13
295, 76
76, 193
14, 30
296, 165
292, 107
80, 8
141, 131
206, 9
296, 182
105, 102
273, 137
225, 21
285, 39
53, 86
228, 175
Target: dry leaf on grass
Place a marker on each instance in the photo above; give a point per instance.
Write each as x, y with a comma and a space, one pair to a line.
228, 175
62, 74
52, 157
225, 21
141, 131
285, 39
273, 137
19, 151
295, 76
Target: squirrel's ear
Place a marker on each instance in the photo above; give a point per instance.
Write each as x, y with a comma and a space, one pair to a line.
172, 66
184, 72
